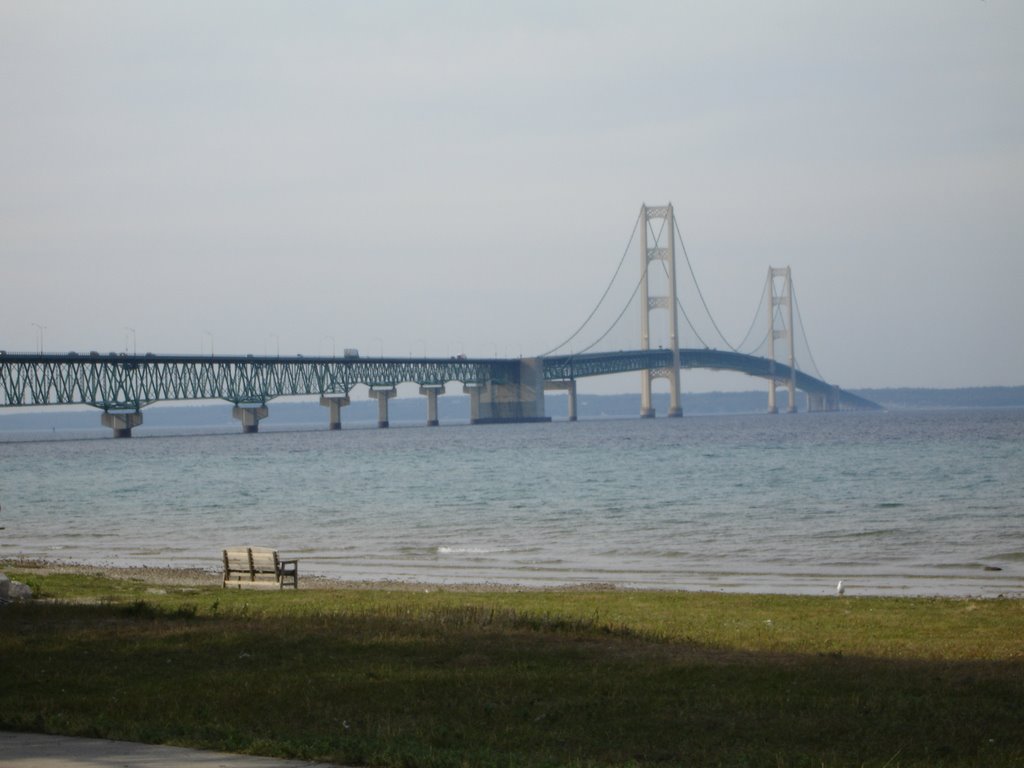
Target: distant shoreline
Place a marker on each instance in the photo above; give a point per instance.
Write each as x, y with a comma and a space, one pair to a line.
454, 409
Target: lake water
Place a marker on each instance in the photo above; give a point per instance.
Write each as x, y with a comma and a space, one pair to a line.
914, 503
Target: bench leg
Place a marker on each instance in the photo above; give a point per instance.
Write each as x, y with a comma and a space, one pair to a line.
288, 574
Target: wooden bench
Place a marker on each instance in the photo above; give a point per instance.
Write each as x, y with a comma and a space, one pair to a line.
255, 567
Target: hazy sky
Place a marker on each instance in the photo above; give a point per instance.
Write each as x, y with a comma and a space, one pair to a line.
448, 178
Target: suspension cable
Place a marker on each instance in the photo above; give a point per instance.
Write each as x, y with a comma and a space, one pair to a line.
629, 301
753, 321
759, 344
686, 317
668, 277
699, 292
803, 331
616, 321
603, 296
693, 327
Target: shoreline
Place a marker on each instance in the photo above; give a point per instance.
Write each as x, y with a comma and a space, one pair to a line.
185, 577
161, 575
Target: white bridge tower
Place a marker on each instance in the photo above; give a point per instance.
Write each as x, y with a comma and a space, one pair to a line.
783, 299
648, 304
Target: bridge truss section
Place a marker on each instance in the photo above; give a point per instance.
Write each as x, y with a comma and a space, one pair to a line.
130, 382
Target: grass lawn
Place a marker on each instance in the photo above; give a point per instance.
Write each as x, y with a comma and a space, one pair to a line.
533, 678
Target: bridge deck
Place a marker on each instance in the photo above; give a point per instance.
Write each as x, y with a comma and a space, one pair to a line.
565, 367
128, 382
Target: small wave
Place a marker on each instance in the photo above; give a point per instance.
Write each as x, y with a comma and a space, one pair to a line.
966, 566
870, 533
890, 505
446, 550
408, 550
1016, 557
535, 564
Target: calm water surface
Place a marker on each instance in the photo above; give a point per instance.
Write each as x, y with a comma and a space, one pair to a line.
892, 503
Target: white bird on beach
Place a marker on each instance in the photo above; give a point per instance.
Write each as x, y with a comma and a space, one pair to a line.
840, 589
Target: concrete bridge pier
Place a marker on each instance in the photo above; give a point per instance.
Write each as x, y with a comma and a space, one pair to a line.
382, 396
823, 401
570, 387
646, 394
334, 403
432, 391
773, 406
832, 401
516, 398
250, 416
122, 422
473, 390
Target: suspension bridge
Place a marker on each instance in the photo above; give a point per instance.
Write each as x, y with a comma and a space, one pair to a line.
648, 310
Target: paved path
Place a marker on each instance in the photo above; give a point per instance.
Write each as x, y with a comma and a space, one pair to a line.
34, 750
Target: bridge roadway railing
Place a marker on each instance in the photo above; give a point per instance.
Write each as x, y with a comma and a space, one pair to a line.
119, 382
569, 367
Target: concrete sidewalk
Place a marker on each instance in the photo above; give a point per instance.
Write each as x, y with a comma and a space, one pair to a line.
34, 750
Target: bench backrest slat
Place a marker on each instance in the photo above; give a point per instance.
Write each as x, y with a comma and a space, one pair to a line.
264, 560
236, 559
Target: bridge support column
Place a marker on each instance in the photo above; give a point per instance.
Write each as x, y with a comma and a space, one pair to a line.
122, 422
473, 390
519, 397
432, 391
334, 403
822, 401
831, 401
382, 396
570, 388
773, 406
250, 416
646, 406
783, 299
667, 302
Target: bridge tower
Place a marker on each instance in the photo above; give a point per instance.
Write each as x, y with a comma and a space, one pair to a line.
781, 298
649, 303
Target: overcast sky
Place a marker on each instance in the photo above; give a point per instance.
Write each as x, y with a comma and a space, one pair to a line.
443, 178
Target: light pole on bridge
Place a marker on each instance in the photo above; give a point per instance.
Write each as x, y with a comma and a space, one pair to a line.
40, 329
